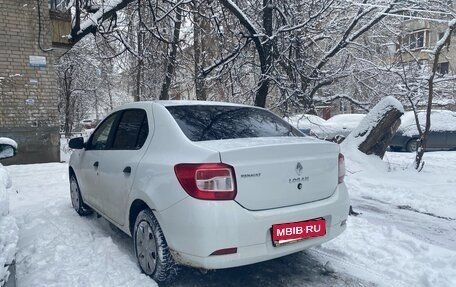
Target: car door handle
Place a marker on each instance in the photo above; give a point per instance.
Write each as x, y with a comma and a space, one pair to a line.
96, 164
127, 169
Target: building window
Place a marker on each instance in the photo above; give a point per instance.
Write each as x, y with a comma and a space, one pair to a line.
416, 40
443, 68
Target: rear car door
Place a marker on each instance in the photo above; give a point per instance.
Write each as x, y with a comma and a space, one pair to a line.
120, 162
451, 139
436, 139
91, 159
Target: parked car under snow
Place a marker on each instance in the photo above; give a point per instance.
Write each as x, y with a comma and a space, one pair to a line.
8, 227
339, 126
335, 128
442, 135
311, 125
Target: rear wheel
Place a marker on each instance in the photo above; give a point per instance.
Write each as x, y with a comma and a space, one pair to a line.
151, 249
76, 199
412, 145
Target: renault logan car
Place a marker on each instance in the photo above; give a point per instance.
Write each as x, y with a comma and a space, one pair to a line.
209, 185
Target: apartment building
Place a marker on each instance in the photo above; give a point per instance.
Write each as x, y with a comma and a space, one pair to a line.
30, 40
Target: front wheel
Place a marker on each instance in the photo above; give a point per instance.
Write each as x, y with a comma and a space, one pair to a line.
151, 249
412, 145
76, 198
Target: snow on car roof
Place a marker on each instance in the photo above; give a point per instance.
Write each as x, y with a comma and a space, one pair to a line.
347, 118
441, 120
8, 141
345, 121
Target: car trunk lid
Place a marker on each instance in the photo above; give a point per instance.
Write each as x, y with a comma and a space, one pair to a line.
280, 171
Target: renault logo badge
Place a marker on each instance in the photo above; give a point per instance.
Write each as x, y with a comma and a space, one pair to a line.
299, 168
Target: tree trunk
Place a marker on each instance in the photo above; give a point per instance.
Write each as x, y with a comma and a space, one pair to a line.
265, 56
140, 67
171, 61
67, 83
445, 40
380, 137
263, 48
200, 88
374, 133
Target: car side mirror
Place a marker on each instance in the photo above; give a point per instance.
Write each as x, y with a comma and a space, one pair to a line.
77, 143
7, 150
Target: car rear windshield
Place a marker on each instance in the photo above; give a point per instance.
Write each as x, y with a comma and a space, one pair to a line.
206, 122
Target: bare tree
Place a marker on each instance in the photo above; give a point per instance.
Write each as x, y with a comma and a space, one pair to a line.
300, 47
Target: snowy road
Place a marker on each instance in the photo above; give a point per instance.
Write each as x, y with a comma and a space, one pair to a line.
386, 245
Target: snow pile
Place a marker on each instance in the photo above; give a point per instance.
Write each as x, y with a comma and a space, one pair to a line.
65, 151
441, 120
8, 242
5, 182
8, 227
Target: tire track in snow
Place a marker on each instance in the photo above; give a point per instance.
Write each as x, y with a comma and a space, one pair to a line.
360, 271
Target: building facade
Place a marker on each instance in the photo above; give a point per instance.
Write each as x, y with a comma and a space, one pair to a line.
28, 92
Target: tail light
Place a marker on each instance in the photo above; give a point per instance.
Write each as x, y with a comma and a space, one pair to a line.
341, 168
214, 181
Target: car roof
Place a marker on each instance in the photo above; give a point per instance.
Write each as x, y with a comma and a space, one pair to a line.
199, 103
172, 103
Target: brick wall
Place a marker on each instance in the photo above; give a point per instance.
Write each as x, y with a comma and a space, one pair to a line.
28, 94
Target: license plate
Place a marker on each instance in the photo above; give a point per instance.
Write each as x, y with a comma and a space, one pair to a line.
290, 232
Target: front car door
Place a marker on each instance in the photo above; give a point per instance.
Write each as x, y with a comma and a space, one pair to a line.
120, 162
92, 159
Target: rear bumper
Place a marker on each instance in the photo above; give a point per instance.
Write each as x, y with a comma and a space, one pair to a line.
195, 228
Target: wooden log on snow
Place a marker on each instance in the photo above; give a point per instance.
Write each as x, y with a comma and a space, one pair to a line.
374, 133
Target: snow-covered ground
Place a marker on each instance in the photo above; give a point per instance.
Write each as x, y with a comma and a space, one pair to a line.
406, 232
56, 246
404, 236
8, 229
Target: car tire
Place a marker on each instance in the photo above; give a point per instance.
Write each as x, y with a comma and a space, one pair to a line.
151, 249
412, 145
76, 199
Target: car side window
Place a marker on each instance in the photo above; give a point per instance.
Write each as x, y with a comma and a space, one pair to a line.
99, 140
132, 130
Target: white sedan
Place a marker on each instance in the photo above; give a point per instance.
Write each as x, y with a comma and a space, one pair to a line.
209, 185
